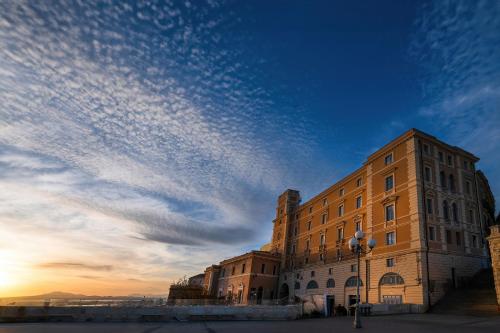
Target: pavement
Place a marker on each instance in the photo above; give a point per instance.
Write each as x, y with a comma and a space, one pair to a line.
397, 323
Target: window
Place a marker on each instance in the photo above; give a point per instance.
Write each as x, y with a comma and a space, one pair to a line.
322, 239
458, 239
233, 270
390, 238
392, 299
432, 233
474, 241
451, 183
388, 159
359, 202
310, 210
307, 244
313, 273
429, 206
297, 285
391, 279
426, 149
309, 225
446, 213
294, 248
450, 160
389, 213
442, 179
323, 218
465, 165
454, 212
340, 233
358, 226
274, 270
428, 174
330, 283
341, 210
263, 268
448, 236
295, 231
389, 262
330, 271
341, 192
471, 216
441, 157
359, 182
243, 269
325, 202
312, 285
321, 256
389, 182
223, 272
353, 282
467, 187
354, 268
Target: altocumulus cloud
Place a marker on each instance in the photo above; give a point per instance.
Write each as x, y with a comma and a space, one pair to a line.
456, 42
122, 123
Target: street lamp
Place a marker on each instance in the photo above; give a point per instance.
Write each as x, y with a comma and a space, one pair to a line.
356, 248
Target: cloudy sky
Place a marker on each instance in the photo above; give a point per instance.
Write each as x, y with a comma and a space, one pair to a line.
140, 142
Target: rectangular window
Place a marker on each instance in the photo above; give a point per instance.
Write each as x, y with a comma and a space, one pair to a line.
307, 244
392, 299
467, 187
390, 238
448, 236
323, 219
340, 233
388, 159
341, 210
441, 157
263, 268
313, 273
471, 216
309, 225
359, 202
359, 182
432, 233
426, 149
310, 210
450, 160
274, 270
458, 238
389, 262
474, 241
354, 268
322, 239
358, 226
428, 174
389, 212
223, 272
325, 202
330, 271
341, 192
429, 206
243, 269
233, 270
465, 165
389, 182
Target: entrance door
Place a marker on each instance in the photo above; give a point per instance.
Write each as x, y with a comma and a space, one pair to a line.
260, 291
330, 305
352, 300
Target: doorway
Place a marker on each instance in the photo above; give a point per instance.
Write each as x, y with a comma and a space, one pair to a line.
330, 305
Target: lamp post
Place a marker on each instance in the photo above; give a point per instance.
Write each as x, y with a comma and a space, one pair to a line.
356, 248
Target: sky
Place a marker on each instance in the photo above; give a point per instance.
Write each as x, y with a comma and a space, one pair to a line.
143, 141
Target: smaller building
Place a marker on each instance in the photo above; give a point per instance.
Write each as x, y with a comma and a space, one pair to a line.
251, 278
197, 280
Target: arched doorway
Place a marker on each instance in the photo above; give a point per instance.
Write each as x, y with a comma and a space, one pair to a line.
260, 291
284, 291
391, 288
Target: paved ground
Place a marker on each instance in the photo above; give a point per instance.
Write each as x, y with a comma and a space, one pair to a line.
428, 323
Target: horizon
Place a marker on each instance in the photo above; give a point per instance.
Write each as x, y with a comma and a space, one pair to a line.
143, 142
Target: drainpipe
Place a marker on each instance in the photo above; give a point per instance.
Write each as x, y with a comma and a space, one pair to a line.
424, 201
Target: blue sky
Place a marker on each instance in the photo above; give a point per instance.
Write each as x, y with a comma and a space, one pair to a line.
153, 138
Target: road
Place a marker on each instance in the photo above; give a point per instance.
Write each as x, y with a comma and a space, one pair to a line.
403, 323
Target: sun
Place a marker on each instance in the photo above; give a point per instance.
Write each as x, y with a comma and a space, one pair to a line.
5, 279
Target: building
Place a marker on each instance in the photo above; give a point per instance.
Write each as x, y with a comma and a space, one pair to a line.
418, 197
197, 280
494, 242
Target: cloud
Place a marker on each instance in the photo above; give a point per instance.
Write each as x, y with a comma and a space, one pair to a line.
75, 266
455, 43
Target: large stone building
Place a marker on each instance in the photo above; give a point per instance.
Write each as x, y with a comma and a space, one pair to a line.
418, 197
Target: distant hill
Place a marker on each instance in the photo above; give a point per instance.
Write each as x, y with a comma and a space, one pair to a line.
65, 295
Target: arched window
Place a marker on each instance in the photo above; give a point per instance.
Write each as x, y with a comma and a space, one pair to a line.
353, 282
442, 178
451, 183
297, 285
391, 279
330, 283
446, 213
312, 285
454, 212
